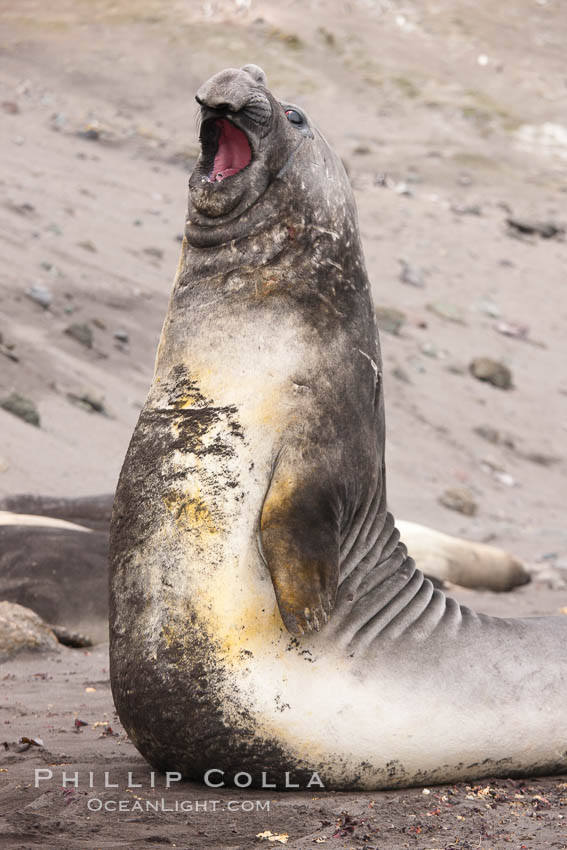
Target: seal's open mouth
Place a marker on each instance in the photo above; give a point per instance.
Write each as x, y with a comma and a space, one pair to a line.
226, 149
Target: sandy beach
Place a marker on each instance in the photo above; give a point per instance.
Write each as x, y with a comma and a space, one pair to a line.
451, 119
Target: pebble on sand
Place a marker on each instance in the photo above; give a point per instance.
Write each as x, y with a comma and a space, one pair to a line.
22, 407
491, 371
447, 312
89, 402
459, 499
530, 227
494, 436
10, 107
22, 629
390, 320
40, 294
411, 275
88, 245
81, 333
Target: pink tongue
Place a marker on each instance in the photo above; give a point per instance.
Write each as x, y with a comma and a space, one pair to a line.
233, 153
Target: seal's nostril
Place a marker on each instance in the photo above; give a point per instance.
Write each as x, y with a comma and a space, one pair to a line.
211, 103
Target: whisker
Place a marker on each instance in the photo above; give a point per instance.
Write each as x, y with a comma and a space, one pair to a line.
198, 119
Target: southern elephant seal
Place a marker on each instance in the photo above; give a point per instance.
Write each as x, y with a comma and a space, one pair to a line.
461, 562
57, 568
266, 621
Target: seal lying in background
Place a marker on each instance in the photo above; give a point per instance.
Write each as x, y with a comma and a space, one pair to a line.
450, 559
265, 618
440, 556
57, 568
49, 564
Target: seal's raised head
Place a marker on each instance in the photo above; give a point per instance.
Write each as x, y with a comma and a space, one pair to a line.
249, 141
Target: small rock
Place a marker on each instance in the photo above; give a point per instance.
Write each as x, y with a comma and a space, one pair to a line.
328, 37
157, 253
401, 375
488, 433
6, 350
40, 294
456, 369
460, 500
82, 333
497, 472
121, 336
88, 402
448, 312
26, 209
541, 459
514, 329
531, 227
98, 323
58, 121
91, 132
489, 308
22, 407
466, 209
505, 478
381, 179
429, 349
389, 319
491, 371
417, 364
22, 629
403, 189
411, 275
88, 245
10, 107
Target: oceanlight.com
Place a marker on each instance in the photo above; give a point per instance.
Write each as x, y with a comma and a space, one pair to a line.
97, 805
89, 781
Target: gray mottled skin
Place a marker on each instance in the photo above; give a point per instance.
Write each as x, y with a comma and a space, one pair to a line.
264, 615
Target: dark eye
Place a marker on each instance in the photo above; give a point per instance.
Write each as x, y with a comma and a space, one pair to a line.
294, 116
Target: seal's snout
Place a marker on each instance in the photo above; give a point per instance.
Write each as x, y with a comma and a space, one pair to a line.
230, 90
219, 100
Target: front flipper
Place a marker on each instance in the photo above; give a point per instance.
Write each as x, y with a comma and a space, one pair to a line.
299, 541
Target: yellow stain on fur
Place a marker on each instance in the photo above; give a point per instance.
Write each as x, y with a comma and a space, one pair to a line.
258, 630
190, 512
185, 402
